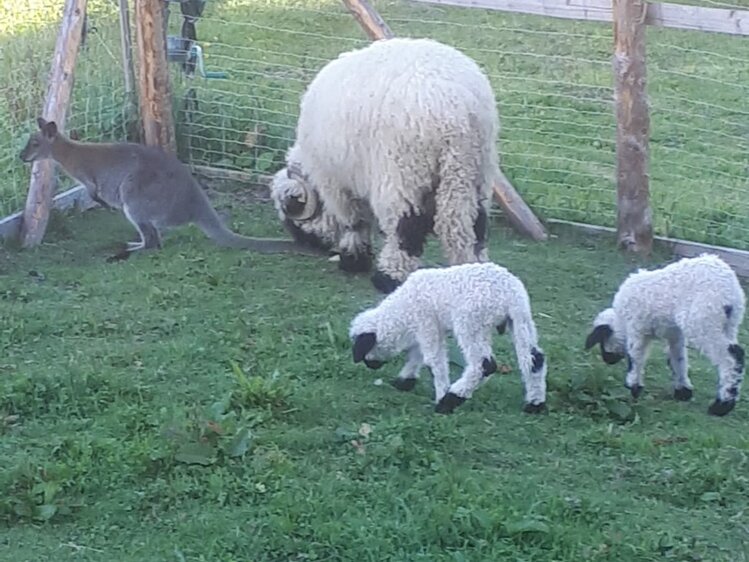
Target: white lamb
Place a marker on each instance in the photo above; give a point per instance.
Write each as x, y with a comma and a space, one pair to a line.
400, 136
469, 300
696, 302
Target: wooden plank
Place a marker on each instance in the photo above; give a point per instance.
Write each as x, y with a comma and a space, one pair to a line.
518, 214
42, 186
370, 21
127, 50
737, 259
634, 216
660, 14
153, 75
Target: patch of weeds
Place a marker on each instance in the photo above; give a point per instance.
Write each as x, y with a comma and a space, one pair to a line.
259, 392
35, 493
593, 397
212, 436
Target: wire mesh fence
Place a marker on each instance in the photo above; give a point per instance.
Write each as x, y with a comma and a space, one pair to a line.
553, 80
28, 32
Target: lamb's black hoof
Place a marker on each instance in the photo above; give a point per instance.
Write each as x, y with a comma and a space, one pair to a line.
534, 408
683, 394
404, 384
448, 403
359, 263
636, 391
721, 408
384, 283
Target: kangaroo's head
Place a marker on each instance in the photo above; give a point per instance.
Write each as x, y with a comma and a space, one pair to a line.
39, 145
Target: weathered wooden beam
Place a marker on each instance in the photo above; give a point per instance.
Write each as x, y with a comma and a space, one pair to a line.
660, 14
371, 21
518, 214
127, 50
153, 75
42, 186
634, 216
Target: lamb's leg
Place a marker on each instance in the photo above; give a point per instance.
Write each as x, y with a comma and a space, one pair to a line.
637, 353
434, 351
355, 221
406, 379
678, 362
477, 351
728, 357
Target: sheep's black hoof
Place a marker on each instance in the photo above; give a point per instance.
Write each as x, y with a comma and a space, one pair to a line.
683, 394
358, 263
384, 283
488, 366
448, 403
534, 408
721, 408
636, 390
404, 384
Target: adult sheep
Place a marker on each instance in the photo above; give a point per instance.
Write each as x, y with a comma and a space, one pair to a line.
398, 136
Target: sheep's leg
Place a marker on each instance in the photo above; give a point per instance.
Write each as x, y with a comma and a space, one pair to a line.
728, 357
678, 362
477, 351
461, 218
637, 353
406, 379
394, 264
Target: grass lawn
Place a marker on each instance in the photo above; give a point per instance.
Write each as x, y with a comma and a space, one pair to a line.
201, 404
552, 78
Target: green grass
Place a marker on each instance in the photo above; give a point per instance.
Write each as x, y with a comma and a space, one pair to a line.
201, 404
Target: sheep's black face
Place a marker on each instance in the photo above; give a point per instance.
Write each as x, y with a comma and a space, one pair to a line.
602, 334
373, 364
363, 345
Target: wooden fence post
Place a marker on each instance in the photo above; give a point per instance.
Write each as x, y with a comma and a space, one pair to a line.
127, 50
634, 216
370, 21
41, 187
153, 75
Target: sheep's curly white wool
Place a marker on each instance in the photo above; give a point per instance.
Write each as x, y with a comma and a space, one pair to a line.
469, 300
696, 302
403, 132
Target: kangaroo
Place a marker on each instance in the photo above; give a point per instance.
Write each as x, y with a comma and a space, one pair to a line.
151, 186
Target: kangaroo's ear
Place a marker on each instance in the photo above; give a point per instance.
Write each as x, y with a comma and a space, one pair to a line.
41, 122
363, 344
50, 129
599, 335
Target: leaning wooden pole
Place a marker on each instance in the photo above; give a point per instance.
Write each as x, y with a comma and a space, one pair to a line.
634, 216
153, 75
42, 186
519, 215
127, 51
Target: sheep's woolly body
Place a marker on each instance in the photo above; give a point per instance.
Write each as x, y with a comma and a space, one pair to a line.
695, 302
471, 301
408, 126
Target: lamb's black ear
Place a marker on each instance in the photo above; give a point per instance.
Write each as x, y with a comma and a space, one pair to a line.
363, 344
598, 335
41, 122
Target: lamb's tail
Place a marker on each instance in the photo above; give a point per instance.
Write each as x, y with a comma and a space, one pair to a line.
213, 227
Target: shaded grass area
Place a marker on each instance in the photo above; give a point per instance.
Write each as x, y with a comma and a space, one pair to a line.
201, 404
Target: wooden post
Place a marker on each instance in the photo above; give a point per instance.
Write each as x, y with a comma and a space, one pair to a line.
634, 216
371, 21
127, 50
39, 198
153, 75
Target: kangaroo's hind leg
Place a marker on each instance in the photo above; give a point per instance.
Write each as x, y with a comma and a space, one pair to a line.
150, 237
